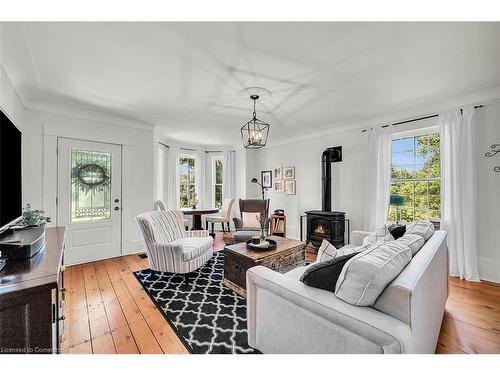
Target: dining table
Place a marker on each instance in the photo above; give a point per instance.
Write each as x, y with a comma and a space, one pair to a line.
197, 213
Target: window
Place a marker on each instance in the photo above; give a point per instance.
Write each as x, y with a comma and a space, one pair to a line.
187, 180
217, 178
416, 175
90, 185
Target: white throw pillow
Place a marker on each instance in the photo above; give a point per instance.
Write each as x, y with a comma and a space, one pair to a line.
251, 219
365, 276
413, 241
327, 251
381, 234
422, 228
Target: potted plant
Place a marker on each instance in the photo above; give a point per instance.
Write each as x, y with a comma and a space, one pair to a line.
33, 218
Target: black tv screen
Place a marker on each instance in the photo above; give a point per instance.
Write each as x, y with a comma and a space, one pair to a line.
10, 172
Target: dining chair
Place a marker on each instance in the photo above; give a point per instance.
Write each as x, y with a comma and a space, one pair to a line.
224, 216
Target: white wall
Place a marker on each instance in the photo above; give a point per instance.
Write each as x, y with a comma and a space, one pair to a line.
347, 177
40, 131
488, 184
9, 100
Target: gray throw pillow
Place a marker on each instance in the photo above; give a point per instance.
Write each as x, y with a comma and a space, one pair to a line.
413, 241
422, 228
365, 276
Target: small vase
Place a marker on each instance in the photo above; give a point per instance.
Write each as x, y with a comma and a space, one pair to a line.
262, 236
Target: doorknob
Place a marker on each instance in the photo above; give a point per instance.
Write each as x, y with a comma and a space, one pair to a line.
117, 208
117, 200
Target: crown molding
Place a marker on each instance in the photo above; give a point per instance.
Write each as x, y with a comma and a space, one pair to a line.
161, 137
87, 113
77, 110
5, 76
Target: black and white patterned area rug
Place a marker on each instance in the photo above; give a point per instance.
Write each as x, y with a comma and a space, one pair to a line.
207, 316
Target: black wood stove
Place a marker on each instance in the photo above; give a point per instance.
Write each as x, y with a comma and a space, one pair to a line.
324, 225
327, 224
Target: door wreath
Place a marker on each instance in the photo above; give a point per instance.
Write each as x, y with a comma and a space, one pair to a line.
91, 177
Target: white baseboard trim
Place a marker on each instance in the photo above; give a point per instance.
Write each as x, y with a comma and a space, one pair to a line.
133, 247
489, 269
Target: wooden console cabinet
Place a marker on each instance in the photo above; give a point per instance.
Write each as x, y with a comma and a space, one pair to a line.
32, 300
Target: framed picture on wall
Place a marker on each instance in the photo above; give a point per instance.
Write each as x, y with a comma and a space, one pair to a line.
278, 173
279, 186
289, 173
290, 187
266, 179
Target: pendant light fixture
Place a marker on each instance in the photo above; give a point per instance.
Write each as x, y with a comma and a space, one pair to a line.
254, 132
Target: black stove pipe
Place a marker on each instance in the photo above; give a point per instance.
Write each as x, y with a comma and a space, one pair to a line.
329, 156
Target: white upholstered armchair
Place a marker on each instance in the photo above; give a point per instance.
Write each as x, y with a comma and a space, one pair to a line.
170, 248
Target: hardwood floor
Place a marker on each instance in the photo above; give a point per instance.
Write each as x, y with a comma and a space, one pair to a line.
471, 322
107, 311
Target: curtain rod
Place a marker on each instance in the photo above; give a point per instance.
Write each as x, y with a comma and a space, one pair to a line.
190, 149
420, 118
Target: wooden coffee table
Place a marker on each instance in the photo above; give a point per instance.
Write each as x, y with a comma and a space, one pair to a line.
288, 255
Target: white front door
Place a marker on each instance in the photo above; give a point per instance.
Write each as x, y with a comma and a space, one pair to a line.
89, 199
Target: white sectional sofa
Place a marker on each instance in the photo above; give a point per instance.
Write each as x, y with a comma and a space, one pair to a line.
287, 316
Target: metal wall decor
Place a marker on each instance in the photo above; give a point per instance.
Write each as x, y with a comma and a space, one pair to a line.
495, 149
254, 132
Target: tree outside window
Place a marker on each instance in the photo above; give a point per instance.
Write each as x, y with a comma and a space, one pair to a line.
187, 180
416, 174
217, 181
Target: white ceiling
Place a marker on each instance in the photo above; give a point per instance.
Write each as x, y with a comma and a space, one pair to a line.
186, 76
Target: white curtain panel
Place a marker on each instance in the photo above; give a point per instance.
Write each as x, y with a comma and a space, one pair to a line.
171, 183
458, 191
378, 177
228, 182
160, 172
200, 177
